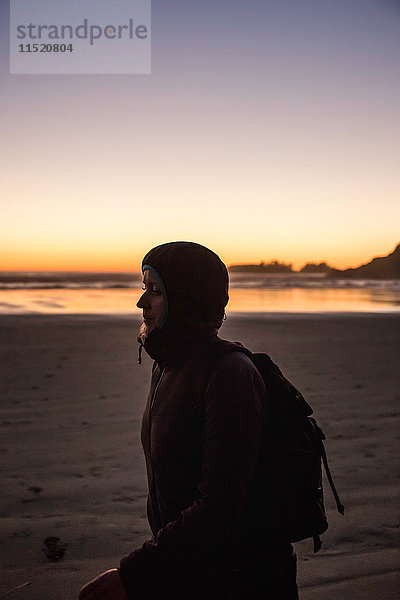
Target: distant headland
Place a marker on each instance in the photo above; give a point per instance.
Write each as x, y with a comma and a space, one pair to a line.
272, 267
382, 267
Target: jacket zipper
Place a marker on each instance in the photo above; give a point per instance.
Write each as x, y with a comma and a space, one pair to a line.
154, 395
153, 491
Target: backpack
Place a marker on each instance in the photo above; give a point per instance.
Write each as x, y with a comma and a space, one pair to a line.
292, 456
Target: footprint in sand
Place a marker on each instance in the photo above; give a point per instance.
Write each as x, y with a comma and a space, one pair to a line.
53, 550
124, 499
21, 534
95, 471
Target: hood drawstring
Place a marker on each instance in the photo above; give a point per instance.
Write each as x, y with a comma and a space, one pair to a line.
139, 359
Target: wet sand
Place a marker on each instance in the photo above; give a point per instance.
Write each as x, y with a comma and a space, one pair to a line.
72, 395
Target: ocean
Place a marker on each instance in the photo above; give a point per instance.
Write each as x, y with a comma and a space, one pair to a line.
117, 293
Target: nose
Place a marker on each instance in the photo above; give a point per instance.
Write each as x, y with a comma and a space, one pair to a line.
142, 302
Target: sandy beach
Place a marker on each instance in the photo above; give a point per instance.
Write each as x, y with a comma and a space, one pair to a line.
72, 395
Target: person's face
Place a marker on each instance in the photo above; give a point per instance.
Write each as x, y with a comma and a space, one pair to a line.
151, 302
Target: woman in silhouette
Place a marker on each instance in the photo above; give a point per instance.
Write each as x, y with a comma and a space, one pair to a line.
202, 435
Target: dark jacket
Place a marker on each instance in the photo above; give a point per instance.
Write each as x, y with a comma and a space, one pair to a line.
201, 433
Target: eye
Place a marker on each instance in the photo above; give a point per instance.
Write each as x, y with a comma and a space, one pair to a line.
153, 289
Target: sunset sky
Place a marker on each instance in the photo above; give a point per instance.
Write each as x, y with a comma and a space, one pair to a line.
268, 129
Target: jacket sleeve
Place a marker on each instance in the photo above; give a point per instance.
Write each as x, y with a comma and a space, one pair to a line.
234, 420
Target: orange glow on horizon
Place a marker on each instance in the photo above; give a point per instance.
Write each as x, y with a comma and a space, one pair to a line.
130, 261
69, 264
